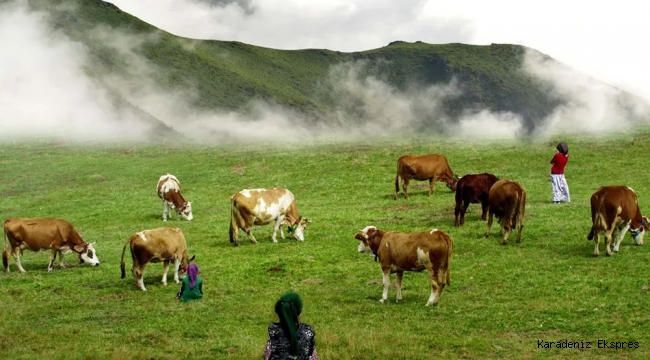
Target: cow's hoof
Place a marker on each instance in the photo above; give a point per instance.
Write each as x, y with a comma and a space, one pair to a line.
504, 243
487, 235
382, 301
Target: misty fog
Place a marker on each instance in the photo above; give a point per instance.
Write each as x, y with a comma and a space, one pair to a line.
47, 91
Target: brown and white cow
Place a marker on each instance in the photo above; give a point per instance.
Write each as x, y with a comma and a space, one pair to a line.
398, 252
616, 208
472, 188
169, 190
38, 234
507, 201
432, 167
264, 206
164, 244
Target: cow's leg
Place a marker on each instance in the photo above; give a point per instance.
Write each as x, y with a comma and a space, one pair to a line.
608, 241
249, 232
177, 267
16, 255
620, 236
484, 209
506, 230
436, 290
165, 210
276, 227
489, 224
457, 215
138, 274
431, 185
386, 281
596, 241
398, 284
50, 266
405, 185
165, 271
61, 265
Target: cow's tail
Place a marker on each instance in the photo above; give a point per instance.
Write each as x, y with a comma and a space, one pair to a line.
122, 266
450, 248
5, 250
397, 177
234, 219
594, 217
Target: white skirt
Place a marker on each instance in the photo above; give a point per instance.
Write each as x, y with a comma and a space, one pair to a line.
560, 188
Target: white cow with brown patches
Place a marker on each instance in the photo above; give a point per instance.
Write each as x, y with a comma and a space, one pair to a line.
398, 252
169, 190
264, 206
38, 234
164, 244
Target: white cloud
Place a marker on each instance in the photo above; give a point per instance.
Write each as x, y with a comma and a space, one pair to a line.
604, 39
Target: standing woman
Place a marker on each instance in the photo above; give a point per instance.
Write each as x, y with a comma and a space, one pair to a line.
289, 338
558, 181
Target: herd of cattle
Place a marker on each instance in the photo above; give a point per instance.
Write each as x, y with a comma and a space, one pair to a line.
613, 208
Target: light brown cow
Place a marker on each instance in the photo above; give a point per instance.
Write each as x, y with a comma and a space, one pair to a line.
616, 208
261, 207
45, 234
169, 190
164, 244
507, 201
432, 167
398, 252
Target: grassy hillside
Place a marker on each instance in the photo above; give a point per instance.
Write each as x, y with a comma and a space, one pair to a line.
227, 75
501, 302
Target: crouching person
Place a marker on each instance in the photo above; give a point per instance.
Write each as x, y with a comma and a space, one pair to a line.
191, 285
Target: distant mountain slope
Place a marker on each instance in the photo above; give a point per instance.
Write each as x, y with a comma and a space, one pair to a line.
227, 76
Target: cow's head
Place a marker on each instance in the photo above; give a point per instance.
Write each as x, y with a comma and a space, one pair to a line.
451, 182
367, 236
87, 254
186, 211
637, 234
297, 228
185, 262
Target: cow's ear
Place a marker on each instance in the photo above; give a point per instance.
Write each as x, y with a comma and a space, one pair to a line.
192, 258
360, 236
306, 220
78, 248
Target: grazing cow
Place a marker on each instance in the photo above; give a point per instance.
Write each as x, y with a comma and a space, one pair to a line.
472, 188
616, 208
398, 252
507, 201
164, 244
432, 167
261, 207
44, 234
169, 190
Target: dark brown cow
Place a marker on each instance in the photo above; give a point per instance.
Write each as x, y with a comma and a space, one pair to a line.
616, 208
432, 167
45, 234
472, 188
507, 201
169, 190
398, 252
164, 244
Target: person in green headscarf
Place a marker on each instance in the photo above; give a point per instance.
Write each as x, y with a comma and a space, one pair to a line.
289, 338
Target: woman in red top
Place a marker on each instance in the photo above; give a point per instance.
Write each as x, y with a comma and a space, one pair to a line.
558, 182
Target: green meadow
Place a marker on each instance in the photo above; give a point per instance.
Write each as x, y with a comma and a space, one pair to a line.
503, 300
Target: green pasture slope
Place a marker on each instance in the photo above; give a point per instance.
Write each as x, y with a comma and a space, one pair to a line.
502, 300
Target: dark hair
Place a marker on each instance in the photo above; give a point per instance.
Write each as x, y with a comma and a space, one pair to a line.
563, 148
288, 307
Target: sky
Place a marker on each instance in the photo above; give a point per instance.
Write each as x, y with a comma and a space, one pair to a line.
49, 87
605, 39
